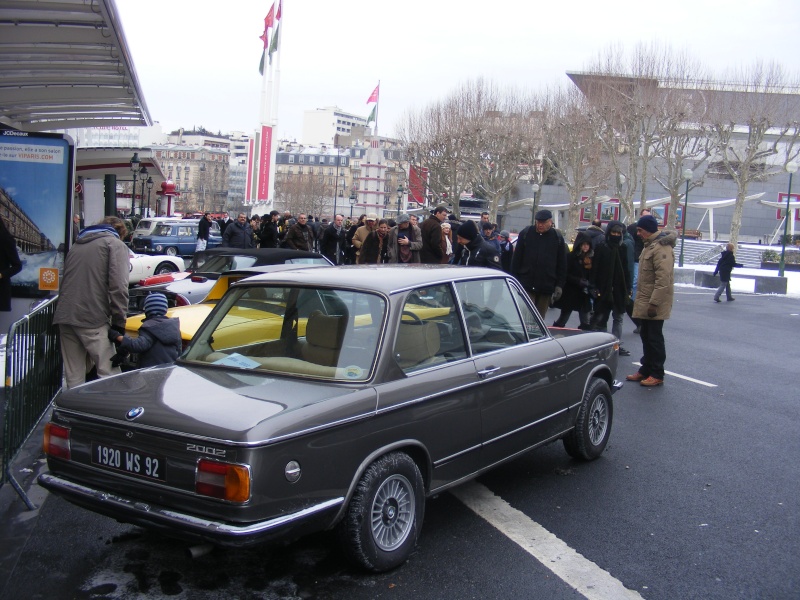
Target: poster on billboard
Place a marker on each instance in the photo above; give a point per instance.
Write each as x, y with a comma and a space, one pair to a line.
36, 182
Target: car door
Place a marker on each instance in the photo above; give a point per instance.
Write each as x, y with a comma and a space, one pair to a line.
521, 369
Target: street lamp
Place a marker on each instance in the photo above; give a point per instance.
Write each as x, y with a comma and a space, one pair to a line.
687, 175
399, 197
149, 189
352, 202
534, 188
792, 169
135, 170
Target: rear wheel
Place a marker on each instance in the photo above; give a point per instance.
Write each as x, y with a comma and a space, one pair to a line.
382, 522
165, 267
593, 425
171, 251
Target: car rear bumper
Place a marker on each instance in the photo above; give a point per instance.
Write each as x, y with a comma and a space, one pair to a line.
153, 516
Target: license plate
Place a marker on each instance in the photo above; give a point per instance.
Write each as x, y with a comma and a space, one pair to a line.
127, 460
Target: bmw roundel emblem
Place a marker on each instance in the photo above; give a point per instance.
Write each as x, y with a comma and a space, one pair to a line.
134, 412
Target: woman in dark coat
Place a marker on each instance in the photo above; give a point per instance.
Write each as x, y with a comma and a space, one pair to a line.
10, 265
580, 283
725, 264
376, 245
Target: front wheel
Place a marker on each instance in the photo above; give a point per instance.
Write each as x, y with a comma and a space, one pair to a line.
165, 267
593, 425
171, 251
382, 522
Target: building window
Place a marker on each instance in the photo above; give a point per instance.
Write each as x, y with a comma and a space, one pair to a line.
356, 164
302, 159
291, 158
299, 170
311, 159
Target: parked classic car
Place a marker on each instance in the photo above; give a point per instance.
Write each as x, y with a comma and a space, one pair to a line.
182, 289
337, 402
142, 266
175, 238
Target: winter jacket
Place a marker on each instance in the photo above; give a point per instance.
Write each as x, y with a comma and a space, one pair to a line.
431, 230
656, 283
540, 260
94, 288
238, 236
480, 253
300, 237
414, 237
332, 244
358, 240
725, 264
595, 234
375, 249
269, 234
580, 278
612, 271
159, 341
203, 229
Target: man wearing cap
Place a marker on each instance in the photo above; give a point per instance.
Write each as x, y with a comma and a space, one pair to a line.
654, 294
431, 229
159, 340
370, 225
540, 261
476, 251
506, 250
404, 241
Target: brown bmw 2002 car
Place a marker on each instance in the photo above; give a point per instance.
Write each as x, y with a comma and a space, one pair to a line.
334, 402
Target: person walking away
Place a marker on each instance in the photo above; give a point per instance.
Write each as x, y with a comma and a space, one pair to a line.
333, 242
404, 242
10, 265
580, 284
375, 249
612, 281
447, 242
159, 341
203, 231
269, 230
654, 295
540, 261
476, 251
431, 228
92, 296
238, 234
638, 245
506, 250
725, 265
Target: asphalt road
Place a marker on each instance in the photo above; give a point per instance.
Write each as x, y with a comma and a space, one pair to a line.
696, 496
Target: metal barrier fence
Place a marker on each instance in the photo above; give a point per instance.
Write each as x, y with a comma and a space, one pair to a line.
33, 376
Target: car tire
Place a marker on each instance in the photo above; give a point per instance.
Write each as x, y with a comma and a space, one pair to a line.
383, 519
164, 268
593, 424
171, 251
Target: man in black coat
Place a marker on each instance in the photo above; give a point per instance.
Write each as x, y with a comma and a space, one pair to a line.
540, 261
203, 230
431, 229
612, 281
333, 241
238, 234
269, 230
476, 252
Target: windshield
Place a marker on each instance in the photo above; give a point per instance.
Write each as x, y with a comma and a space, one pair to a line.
300, 331
221, 264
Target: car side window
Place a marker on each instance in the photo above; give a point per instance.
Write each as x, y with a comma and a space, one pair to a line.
430, 330
532, 326
491, 315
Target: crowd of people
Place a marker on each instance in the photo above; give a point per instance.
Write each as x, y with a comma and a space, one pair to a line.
608, 272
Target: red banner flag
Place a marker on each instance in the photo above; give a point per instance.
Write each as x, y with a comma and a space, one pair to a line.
278, 14
269, 20
373, 97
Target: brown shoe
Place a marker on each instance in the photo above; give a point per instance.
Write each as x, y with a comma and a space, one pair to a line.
651, 382
635, 377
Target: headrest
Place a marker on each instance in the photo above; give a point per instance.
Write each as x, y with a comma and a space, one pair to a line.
325, 331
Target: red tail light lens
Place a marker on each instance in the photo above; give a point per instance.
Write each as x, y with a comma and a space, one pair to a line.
56, 441
223, 480
199, 278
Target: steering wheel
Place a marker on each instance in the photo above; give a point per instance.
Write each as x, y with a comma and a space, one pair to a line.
414, 318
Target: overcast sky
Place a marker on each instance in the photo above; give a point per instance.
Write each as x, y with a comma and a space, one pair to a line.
197, 60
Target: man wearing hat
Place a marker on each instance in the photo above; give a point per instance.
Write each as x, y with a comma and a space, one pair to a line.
476, 252
431, 228
540, 261
159, 341
654, 293
404, 241
370, 225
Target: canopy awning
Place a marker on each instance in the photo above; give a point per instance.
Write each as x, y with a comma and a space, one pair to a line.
66, 64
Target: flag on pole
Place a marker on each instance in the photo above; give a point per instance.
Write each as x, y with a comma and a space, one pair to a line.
373, 97
273, 46
373, 114
269, 21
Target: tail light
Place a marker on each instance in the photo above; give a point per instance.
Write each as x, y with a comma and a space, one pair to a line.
56, 441
181, 300
222, 480
199, 278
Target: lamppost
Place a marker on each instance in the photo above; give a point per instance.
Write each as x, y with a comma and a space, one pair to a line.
143, 175
535, 188
687, 175
352, 202
135, 170
792, 169
149, 189
400, 191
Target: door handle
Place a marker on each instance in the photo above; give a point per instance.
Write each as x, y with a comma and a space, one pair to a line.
483, 374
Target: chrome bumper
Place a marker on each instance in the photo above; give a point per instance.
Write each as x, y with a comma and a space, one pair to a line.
143, 513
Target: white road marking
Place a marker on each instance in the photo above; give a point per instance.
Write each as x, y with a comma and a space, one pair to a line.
578, 572
692, 379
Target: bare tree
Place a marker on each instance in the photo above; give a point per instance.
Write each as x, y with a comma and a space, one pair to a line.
307, 193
